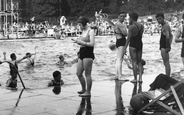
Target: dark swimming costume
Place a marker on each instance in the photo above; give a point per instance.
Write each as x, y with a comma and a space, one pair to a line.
11, 83
121, 41
13, 70
136, 41
86, 52
182, 49
54, 83
162, 41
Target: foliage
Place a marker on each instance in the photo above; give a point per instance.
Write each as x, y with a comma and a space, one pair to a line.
53, 9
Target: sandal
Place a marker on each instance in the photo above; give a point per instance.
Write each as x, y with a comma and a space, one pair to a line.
81, 92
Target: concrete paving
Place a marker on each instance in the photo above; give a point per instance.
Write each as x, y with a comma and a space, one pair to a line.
109, 97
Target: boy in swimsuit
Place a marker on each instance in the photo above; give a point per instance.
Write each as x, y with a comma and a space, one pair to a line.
57, 81
120, 31
165, 42
134, 40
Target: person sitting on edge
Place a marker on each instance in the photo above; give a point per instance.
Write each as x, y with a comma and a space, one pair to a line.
13, 65
57, 81
30, 60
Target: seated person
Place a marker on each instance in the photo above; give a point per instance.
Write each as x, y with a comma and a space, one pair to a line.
57, 81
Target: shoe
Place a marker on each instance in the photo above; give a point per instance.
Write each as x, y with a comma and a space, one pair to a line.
81, 92
85, 95
134, 81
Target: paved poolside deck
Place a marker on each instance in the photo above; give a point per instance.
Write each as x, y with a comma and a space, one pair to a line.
105, 99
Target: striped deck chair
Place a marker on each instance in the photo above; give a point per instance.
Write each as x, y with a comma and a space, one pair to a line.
175, 93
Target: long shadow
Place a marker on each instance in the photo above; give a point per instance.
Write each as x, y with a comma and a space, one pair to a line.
120, 109
85, 107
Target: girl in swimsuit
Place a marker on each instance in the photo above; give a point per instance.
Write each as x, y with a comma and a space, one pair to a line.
86, 56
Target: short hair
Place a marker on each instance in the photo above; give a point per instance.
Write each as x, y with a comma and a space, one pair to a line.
61, 56
134, 16
12, 55
56, 73
121, 13
83, 20
159, 15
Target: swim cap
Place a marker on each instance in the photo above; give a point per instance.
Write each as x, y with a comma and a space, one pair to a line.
83, 20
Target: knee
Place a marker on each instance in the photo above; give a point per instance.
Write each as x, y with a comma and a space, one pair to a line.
79, 74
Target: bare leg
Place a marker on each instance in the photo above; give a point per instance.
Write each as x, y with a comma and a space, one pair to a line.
133, 55
119, 61
87, 62
80, 70
165, 57
139, 63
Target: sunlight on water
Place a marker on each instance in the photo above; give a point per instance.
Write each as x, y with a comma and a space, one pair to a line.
47, 53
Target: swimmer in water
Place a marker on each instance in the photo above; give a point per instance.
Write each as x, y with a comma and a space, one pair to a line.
57, 81
30, 60
13, 65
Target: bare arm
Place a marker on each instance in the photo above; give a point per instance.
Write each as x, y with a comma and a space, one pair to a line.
167, 34
92, 40
129, 36
177, 36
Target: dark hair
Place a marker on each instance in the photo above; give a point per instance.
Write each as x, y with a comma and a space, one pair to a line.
159, 15
183, 16
134, 16
28, 54
61, 56
83, 20
121, 13
56, 73
12, 56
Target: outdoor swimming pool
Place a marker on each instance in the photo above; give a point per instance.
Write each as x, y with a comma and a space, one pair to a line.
48, 51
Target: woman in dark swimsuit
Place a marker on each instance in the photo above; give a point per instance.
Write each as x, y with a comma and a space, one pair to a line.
86, 56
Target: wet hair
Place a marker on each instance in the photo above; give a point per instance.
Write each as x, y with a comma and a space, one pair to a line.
134, 16
159, 15
13, 56
61, 56
56, 73
83, 20
121, 13
28, 54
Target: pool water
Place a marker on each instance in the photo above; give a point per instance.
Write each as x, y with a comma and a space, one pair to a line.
48, 51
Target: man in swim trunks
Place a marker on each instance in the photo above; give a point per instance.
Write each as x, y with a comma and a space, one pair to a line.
134, 40
165, 42
120, 31
179, 38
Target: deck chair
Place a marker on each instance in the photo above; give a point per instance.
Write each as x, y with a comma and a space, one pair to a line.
176, 91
